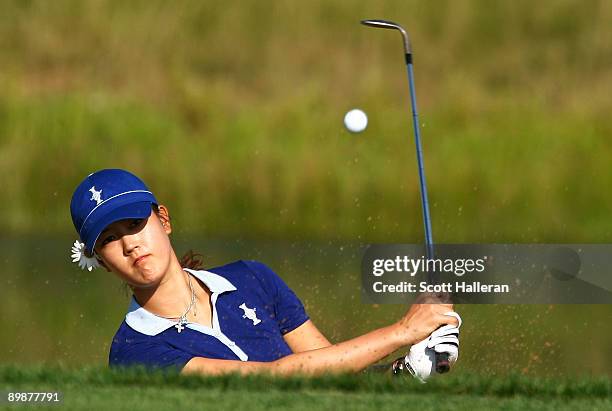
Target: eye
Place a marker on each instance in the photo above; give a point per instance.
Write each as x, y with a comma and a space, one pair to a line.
136, 222
107, 240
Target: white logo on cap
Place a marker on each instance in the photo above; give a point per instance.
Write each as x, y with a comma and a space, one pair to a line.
96, 195
250, 313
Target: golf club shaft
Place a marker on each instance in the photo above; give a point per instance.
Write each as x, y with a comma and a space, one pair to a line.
419, 151
442, 363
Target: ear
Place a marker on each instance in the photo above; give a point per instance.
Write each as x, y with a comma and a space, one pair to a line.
164, 218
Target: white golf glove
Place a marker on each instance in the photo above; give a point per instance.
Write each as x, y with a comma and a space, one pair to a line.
421, 358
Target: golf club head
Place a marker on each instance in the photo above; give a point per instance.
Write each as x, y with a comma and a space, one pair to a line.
386, 24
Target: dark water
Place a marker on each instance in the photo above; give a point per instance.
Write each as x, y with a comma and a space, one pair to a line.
54, 312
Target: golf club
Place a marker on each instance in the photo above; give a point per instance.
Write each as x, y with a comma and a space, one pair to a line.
442, 362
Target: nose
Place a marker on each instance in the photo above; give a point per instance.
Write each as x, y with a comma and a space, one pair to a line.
131, 242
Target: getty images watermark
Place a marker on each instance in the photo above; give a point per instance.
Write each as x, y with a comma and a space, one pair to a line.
489, 273
431, 267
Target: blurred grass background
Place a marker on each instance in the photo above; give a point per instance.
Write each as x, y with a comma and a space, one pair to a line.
232, 114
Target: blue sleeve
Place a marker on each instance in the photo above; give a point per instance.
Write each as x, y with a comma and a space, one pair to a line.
289, 310
149, 353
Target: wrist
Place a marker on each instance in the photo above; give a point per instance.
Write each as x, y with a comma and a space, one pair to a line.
402, 336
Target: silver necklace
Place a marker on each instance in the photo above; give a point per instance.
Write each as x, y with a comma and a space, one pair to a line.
182, 320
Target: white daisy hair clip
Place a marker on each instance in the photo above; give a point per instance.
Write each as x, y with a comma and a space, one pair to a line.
79, 256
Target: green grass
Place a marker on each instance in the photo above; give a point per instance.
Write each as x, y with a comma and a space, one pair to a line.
101, 388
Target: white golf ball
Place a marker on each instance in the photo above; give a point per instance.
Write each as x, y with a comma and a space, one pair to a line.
355, 120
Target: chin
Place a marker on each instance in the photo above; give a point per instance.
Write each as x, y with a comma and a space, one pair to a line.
146, 277
143, 283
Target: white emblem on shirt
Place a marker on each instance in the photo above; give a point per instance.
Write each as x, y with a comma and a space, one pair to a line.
250, 313
96, 195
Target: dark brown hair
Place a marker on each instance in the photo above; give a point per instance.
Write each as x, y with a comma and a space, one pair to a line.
192, 260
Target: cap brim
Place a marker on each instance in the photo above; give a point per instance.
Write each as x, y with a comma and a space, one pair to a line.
141, 209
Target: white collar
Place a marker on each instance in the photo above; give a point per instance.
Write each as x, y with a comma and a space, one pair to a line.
148, 323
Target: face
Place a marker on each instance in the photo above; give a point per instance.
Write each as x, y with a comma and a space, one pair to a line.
137, 250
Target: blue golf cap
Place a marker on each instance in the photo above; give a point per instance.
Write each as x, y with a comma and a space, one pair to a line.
107, 196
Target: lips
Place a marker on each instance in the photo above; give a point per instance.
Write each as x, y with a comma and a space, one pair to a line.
139, 259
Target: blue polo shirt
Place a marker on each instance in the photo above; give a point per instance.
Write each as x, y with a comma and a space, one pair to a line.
252, 308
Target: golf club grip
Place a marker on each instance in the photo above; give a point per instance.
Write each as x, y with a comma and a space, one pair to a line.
442, 362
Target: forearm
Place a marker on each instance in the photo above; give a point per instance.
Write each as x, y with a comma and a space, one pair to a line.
209, 366
348, 356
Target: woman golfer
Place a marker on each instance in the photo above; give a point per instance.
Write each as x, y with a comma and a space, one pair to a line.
240, 317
